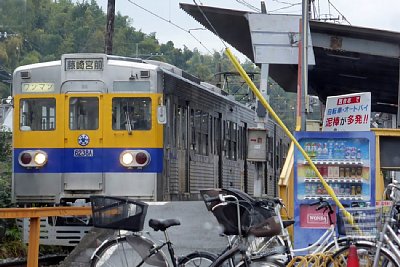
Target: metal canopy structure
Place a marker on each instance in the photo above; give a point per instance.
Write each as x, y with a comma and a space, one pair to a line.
348, 59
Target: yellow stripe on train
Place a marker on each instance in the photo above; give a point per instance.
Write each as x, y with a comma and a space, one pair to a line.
60, 134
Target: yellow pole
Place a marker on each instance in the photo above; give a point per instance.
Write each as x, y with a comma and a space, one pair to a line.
250, 83
34, 236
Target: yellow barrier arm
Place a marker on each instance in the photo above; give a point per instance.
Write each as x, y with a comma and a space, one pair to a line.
250, 83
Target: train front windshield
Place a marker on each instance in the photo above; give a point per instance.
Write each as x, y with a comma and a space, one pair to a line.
37, 114
133, 111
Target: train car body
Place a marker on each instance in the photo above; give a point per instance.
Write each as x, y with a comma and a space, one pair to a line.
97, 124
79, 119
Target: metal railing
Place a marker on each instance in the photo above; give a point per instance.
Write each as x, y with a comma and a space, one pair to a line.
34, 229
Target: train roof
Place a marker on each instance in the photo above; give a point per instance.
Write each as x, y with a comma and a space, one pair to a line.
166, 68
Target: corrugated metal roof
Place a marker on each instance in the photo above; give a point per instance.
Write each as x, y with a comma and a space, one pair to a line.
348, 59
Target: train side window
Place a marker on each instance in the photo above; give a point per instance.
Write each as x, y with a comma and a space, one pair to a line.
137, 110
181, 128
204, 133
192, 131
234, 137
37, 114
197, 126
83, 113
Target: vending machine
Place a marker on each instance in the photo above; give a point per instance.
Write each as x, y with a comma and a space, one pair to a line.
346, 160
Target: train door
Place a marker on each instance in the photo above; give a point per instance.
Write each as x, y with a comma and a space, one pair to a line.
83, 142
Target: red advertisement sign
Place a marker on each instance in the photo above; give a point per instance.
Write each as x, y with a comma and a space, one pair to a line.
312, 218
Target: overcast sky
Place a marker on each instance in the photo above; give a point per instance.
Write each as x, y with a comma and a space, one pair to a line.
383, 14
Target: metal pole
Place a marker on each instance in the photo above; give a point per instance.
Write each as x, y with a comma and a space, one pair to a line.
398, 100
110, 26
304, 63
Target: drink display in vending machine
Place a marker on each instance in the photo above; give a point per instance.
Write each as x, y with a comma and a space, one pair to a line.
346, 161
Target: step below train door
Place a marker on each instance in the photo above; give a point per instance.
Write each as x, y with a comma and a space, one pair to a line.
83, 143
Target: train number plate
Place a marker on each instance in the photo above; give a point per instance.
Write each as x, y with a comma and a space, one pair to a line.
83, 152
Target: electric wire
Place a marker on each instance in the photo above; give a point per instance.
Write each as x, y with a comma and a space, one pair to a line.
340, 13
243, 2
209, 23
286, 7
172, 23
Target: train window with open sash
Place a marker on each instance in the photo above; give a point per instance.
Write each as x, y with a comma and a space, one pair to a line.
83, 113
37, 114
133, 112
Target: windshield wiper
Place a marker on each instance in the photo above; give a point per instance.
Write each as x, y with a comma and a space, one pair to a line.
128, 124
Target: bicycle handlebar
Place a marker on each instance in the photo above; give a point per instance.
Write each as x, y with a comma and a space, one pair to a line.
323, 204
394, 185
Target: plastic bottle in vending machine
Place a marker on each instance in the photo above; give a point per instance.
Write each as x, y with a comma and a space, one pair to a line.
307, 189
307, 148
358, 156
325, 151
319, 150
347, 153
336, 151
330, 150
353, 153
342, 150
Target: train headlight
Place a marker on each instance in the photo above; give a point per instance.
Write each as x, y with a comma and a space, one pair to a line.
40, 158
134, 158
126, 158
32, 158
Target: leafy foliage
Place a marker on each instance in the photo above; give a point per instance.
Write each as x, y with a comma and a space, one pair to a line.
43, 30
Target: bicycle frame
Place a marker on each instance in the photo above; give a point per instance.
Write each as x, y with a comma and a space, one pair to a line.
150, 249
328, 239
388, 236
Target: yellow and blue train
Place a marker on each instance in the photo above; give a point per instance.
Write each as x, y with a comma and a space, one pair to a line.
100, 124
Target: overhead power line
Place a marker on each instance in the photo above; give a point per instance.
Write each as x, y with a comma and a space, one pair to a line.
172, 23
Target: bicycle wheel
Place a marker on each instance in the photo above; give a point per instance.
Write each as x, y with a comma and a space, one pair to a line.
127, 251
197, 259
366, 254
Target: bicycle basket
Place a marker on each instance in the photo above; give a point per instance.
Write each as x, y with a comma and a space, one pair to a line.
118, 213
367, 222
254, 218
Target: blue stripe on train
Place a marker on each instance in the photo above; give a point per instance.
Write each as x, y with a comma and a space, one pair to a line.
103, 160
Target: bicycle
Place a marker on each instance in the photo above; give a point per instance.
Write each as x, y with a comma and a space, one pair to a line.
383, 247
241, 218
276, 247
134, 249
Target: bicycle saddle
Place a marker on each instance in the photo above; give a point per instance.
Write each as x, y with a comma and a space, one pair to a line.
162, 225
287, 223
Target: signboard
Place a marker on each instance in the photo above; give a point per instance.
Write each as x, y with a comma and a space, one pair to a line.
82, 64
312, 218
350, 112
37, 87
257, 145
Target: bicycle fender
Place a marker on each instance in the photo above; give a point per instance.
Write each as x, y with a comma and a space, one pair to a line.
98, 248
143, 246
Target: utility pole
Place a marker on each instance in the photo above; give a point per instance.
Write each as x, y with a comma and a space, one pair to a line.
110, 27
304, 63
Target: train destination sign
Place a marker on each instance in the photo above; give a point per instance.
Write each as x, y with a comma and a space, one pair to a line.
82, 64
37, 87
